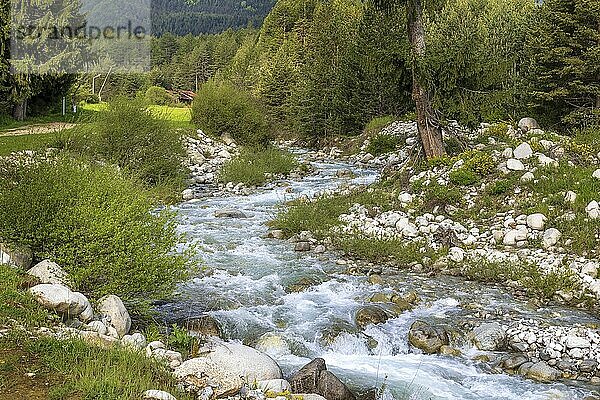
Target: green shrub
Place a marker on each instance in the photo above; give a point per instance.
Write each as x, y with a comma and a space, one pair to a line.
463, 177
222, 108
500, 187
92, 99
436, 195
376, 250
251, 165
130, 136
158, 96
321, 215
100, 224
381, 144
478, 162
378, 123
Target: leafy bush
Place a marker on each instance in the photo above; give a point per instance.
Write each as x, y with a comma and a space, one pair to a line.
131, 137
222, 108
96, 222
92, 99
251, 165
158, 96
478, 162
463, 177
381, 144
500, 187
436, 195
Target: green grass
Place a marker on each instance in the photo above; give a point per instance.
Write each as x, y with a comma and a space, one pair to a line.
321, 215
81, 371
178, 117
538, 284
18, 306
251, 165
10, 144
395, 251
378, 123
382, 144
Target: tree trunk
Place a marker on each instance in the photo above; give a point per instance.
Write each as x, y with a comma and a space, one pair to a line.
20, 110
429, 131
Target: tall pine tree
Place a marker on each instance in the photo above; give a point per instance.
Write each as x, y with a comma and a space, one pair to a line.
565, 53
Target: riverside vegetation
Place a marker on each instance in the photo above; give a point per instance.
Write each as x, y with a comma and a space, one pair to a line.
470, 189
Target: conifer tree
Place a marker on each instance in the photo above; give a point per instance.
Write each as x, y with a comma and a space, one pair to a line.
564, 47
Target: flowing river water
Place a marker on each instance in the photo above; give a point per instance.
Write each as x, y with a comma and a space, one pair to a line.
244, 283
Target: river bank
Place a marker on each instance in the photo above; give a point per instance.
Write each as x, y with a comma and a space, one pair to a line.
403, 328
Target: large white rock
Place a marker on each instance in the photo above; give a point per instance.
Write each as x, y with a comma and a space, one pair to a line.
63, 300
523, 151
577, 342
515, 165
456, 254
527, 124
136, 341
536, 221
112, 307
593, 209
596, 174
550, 237
547, 161
227, 366
49, 272
527, 177
275, 386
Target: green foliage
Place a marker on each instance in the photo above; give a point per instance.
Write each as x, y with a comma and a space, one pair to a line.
538, 283
252, 165
382, 143
474, 50
158, 96
436, 195
376, 124
463, 176
500, 187
563, 47
478, 161
180, 340
375, 250
129, 135
95, 373
223, 108
17, 304
98, 223
322, 214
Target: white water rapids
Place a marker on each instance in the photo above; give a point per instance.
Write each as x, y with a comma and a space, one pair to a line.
243, 287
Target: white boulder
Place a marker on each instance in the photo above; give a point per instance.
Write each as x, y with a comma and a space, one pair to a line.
49, 272
593, 209
596, 174
112, 308
515, 165
551, 237
536, 221
158, 395
226, 366
61, 299
523, 151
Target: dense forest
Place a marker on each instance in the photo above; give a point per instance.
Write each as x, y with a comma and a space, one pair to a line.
322, 68
182, 17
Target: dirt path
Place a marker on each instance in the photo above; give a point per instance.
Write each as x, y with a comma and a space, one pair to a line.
37, 129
